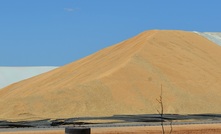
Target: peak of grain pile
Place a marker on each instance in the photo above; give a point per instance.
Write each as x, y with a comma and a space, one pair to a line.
125, 79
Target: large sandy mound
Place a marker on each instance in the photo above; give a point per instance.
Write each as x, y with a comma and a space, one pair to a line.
125, 79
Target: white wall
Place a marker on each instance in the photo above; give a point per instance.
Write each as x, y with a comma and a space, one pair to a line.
9, 75
213, 36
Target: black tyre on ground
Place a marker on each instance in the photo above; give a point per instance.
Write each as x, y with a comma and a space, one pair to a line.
77, 130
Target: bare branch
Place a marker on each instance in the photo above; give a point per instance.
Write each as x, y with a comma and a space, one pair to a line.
161, 112
160, 101
158, 112
171, 126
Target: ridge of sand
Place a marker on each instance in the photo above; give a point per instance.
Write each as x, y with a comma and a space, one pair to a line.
125, 79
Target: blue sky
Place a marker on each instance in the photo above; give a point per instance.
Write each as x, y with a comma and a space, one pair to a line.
57, 32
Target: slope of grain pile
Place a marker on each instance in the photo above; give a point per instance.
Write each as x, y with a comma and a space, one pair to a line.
125, 79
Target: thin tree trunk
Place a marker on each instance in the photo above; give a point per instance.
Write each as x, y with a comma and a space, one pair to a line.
160, 101
171, 126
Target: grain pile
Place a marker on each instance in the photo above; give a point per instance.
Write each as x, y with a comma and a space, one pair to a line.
125, 79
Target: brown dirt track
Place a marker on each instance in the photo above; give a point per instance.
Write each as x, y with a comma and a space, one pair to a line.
181, 129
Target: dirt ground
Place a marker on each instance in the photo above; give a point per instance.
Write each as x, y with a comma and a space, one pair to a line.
179, 129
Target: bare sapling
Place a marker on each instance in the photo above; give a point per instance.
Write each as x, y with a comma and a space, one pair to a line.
161, 112
171, 126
